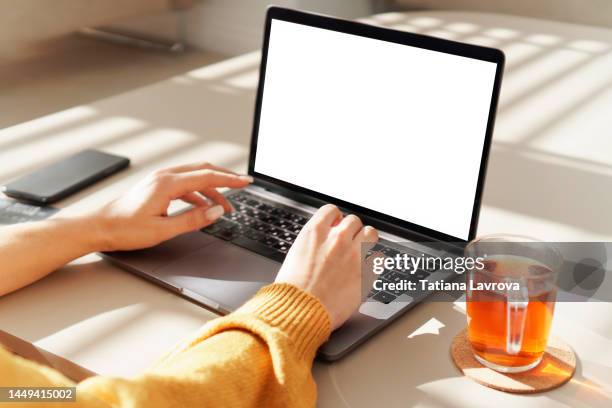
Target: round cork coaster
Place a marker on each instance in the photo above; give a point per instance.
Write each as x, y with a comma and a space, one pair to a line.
557, 367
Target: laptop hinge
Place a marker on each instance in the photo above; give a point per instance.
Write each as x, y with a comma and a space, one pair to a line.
313, 203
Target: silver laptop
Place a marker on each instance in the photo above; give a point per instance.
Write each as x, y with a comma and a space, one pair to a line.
391, 126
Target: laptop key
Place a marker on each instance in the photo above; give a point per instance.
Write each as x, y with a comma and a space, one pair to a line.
390, 252
218, 226
298, 219
248, 222
283, 224
270, 219
276, 232
260, 226
396, 292
279, 212
270, 241
264, 207
227, 235
295, 228
282, 247
287, 236
254, 235
384, 297
212, 229
421, 274
392, 276
240, 198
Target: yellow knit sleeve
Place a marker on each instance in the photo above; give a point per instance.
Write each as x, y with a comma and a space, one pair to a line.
259, 356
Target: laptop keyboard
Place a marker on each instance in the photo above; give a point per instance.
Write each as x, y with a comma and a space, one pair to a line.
269, 229
260, 225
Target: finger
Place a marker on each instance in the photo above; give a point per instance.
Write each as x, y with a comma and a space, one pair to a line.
197, 166
192, 220
218, 198
326, 216
195, 199
350, 226
199, 180
368, 237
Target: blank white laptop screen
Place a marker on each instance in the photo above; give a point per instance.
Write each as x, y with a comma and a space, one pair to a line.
393, 128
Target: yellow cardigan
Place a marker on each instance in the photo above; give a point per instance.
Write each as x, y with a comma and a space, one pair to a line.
259, 356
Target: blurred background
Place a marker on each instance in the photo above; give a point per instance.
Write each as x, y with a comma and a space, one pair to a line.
54, 55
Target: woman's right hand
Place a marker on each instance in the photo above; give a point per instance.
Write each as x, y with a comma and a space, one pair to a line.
139, 218
326, 261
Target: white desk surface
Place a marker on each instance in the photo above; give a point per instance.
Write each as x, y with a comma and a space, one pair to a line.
549, 176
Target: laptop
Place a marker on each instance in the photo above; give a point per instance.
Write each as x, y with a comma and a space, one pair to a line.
391, 126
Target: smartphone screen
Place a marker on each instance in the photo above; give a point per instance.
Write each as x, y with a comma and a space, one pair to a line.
67, 176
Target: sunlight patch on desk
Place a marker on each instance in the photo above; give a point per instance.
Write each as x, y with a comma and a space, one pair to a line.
182, 80
462, 27
448, 35
226, 68
155, 141
246, 80
591, 386
526, 78
592, 122
46, 123
432, 326
406, 27
108, 333
495, 219
68, 142
425, 22
543, 39
224, 89
389, 18
482, 40
590, 152
517, 52
472, 394
501, 33
545, 106
98, 328
589, 46
179, 146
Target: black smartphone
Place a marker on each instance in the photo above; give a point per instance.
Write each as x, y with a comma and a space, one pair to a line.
60, 179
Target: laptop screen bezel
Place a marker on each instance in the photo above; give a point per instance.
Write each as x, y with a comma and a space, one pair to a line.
395, 225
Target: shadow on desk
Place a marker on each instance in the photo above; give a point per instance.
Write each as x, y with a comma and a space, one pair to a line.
30, 352
396, 362
409, 364
88, 289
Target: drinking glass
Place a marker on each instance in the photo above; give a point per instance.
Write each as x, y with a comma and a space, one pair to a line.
510, 302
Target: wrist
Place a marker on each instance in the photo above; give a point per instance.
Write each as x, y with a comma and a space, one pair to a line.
298, 314
78, 231
99, 232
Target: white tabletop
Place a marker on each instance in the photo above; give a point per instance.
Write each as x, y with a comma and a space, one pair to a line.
549, 177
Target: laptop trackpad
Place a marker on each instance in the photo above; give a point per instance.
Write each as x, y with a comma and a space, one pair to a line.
222, 272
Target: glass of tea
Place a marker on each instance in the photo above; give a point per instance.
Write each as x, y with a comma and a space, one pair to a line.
510, 300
